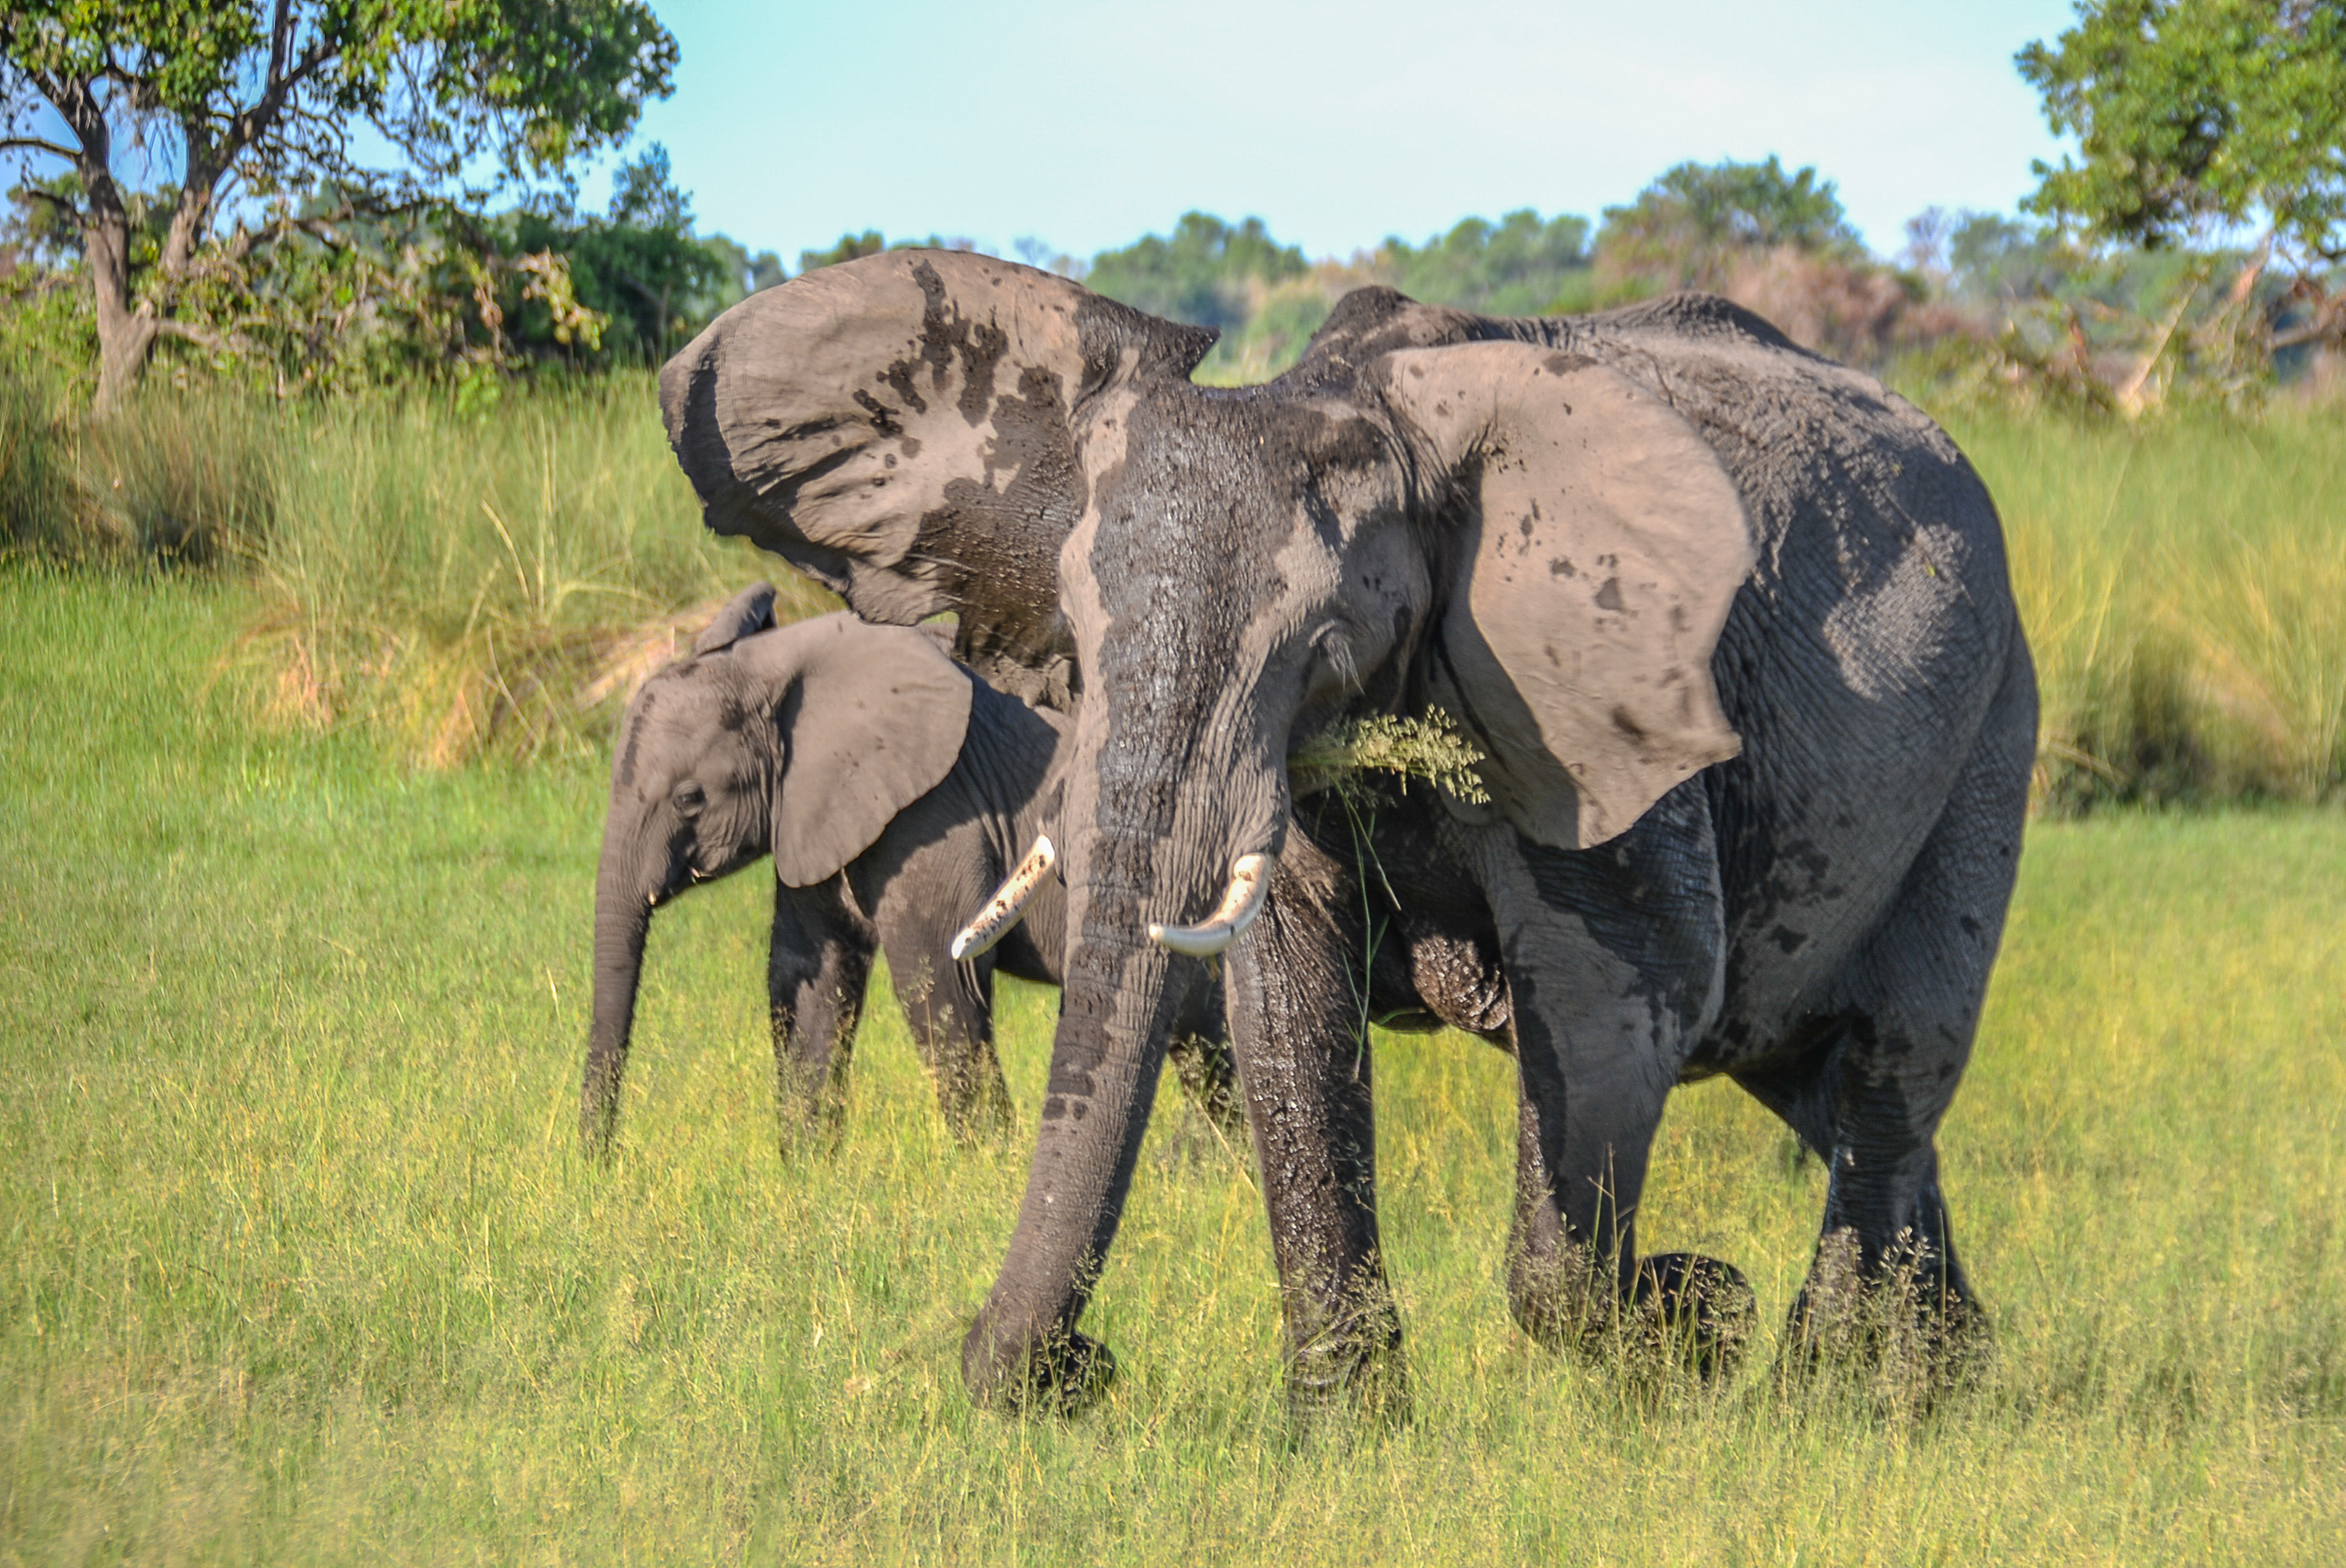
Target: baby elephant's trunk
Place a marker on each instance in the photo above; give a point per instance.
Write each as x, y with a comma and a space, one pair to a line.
622, 920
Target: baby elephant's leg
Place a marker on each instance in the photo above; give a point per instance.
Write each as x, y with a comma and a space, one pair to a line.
816, 965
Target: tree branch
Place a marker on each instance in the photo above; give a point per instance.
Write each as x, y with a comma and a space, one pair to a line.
281, 39
203, 337
37, 144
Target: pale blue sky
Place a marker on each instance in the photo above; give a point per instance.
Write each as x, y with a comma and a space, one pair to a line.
1088, 125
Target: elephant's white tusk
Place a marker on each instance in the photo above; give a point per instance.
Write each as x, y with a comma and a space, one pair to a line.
1009, 900
1249, 881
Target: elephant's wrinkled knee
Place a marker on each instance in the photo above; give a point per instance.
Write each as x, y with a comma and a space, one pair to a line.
1905, 1326
1060, 1374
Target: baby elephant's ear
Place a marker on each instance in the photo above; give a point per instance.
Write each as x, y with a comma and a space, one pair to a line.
872, 719
1604, 545
751, 610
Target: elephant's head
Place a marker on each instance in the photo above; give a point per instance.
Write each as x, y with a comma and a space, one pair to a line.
803, 742
1428, 510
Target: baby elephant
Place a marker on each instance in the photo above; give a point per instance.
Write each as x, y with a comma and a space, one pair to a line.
893, 790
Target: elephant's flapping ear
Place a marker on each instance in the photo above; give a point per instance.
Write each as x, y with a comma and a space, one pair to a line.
1605, 543
751, 610
872, 719
901, 428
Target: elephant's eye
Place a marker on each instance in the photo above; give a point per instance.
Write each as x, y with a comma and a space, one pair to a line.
1335, 649
689, 799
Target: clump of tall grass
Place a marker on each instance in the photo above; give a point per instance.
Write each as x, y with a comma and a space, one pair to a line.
37, 494
465, 583
470, 585
2183, 581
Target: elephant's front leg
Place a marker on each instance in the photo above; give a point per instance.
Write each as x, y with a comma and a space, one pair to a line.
1297, 1020
817, 964
1613, 960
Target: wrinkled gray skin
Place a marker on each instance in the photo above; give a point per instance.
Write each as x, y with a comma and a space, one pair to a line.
1731, 623
728, 757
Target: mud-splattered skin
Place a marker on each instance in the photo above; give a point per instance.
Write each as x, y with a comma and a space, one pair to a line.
725, 758
1732, 625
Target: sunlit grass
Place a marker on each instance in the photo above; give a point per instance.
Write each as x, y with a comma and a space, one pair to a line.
301, 1265
2184, 586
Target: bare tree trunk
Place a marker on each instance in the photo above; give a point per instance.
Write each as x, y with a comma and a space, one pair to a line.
126, 331
125, 335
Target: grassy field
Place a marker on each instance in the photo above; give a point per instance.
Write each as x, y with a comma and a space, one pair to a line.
300, 1264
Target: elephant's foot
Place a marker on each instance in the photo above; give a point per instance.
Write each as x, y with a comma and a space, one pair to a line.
1692, 1312
1349, 1371
598, 1105
979, 1118
1563, 1298
1682, 1311
810, 1110
1905, 1330
1060, 1374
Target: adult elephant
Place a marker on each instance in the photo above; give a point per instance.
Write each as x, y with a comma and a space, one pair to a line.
1730, 623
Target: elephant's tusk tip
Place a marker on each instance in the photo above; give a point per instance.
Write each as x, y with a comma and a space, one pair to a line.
1241, 902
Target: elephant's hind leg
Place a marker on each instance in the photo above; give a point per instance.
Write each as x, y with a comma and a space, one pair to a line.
1886, 1289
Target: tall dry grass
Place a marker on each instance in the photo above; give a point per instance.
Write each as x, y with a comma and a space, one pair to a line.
483, 586
465, 583
2184, 586
488, 583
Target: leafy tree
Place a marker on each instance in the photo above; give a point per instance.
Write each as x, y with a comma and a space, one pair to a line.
2193, 114
850, 245
745, 274
2198, 117
1689, 226
259, 101
642, 266
1991, 257
1516, 267
1209, 273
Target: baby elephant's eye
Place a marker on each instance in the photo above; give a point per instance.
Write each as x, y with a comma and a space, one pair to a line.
689, 799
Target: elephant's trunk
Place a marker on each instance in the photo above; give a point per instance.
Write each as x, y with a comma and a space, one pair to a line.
1121, 993
622, 921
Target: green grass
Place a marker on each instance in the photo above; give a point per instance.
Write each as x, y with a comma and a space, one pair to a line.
454, 584
300, 1264
2183, 582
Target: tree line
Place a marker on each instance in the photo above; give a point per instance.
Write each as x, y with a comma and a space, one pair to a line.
2196, 237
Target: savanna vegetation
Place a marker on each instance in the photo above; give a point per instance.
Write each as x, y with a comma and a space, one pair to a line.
310, 647
303, 1264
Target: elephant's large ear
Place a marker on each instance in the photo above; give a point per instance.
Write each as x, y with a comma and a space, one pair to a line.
872, 719
1604, 545
748, 611
901, 427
